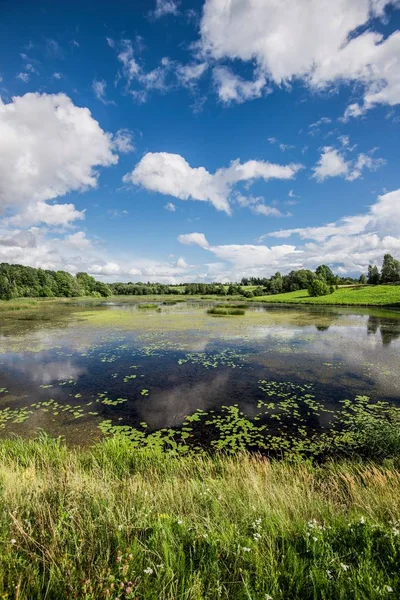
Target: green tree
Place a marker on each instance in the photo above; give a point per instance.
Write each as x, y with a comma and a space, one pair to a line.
390, 270
363, 279
373, 274
319, 288
324, 273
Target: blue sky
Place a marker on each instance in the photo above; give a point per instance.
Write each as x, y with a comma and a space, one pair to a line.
181, 141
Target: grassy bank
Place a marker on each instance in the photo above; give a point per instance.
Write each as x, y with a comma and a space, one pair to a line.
111, 522
379, 295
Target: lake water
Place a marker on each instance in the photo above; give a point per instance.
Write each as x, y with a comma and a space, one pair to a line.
67, 368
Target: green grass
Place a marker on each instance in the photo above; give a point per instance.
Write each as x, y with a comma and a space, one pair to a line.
149, 306
379, 295
111, 522
225, 311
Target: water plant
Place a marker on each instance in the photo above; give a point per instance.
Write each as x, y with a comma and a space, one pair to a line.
225, 311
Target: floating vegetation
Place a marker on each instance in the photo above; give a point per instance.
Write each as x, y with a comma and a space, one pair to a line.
224, 358
360, 427
148, 306
225, 311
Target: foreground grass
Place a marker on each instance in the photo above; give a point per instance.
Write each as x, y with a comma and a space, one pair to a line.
379, 295
111, 522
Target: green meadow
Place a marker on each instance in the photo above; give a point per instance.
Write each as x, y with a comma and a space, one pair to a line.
110, 522
379, 295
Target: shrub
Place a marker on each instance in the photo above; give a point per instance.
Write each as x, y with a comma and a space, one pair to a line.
319, 288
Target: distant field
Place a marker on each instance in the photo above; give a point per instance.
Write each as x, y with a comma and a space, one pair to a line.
379, 295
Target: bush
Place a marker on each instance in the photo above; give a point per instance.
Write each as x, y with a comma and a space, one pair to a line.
319, 288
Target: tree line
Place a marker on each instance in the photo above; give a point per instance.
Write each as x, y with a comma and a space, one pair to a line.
18, 281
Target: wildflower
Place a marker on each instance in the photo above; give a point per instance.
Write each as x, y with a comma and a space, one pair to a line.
13, 541
257, 536
268, 597
179, 521
395, 531
119, 558
387, 588
128, 590
246, 549
329, 573
344, 567
315, 539
149, 571
120, 527
362, 521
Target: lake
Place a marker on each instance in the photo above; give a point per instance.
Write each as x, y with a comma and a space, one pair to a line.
78, 369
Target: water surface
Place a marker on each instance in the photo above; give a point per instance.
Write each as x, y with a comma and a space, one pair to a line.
66, 368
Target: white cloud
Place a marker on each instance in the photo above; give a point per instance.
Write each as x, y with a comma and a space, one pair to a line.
189, 73
170, 174
48, 214
267, 211
165, 7
110, 42
57, 75
313, 40
130, 66
48, 147
333, 164
99, 89
330, 164
258, 206
171, 207
348, 245
196, 239
23, 77
122, 141
232, 88
78, 240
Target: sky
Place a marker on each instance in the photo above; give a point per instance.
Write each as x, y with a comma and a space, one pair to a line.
187, 140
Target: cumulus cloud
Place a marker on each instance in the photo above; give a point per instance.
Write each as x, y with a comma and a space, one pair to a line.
232, 88
122, 141
313, 40
332, 163
348, 245
170, 207
196, 239
48, 214
170, 174
48, 147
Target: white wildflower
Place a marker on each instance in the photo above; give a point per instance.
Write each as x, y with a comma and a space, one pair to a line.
149, 571
388, 588
362, 521
13, 541
344, 567
315, 539
329, 573
246, 549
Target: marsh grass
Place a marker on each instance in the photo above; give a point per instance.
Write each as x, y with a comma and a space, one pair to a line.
225, 311
148, 306
111, 522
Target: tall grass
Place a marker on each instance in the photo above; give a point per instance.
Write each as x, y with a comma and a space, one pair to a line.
111, 522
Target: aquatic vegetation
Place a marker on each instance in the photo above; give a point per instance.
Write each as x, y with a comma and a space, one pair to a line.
225, 311
148, 306
224, 358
